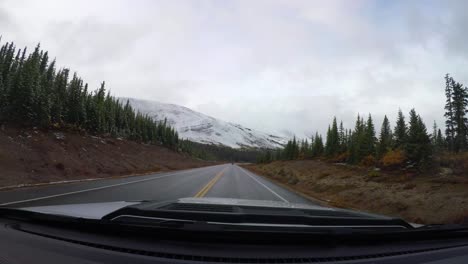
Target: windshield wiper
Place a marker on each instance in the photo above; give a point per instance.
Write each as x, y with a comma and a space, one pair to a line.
178, 227
378, 229
202, 225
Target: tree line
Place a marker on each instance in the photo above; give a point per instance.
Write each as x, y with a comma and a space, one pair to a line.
219, 153
407, 144
33, 92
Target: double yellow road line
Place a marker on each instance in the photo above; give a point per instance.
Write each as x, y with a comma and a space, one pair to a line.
209, 185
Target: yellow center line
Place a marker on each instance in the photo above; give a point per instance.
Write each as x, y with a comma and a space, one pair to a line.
209, 185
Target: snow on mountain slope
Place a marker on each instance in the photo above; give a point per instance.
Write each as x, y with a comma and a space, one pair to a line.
206, 129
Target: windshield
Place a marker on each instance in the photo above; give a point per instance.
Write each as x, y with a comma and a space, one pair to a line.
271, 114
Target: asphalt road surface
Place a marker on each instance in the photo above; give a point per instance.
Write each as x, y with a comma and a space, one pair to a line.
223, 181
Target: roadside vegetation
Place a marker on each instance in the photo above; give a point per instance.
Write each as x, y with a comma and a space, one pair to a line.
219, 153
427, 198
405, 171
408, 146
53, 127
36, 93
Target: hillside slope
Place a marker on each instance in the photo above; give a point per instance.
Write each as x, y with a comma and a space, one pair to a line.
201, 128
29, 156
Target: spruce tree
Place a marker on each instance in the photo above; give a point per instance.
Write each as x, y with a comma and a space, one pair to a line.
418, 147
434, 134
317, 148
385, 138
328, 142
342, 138
440, 141
400, 131
358, 146
332, 144
449, 114
295, 149
287, 152
33, 93
459, 108
369, 138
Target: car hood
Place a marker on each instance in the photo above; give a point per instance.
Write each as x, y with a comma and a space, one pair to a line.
85, 210
99, 210
256, 203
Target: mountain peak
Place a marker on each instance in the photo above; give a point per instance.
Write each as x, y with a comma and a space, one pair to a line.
205, 129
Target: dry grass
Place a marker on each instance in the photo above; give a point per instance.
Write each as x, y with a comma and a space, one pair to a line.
456, 162
431, 198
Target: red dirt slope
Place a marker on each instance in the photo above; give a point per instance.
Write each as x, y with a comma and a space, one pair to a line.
35, 156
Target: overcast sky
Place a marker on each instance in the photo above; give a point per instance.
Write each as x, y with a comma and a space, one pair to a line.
269, 65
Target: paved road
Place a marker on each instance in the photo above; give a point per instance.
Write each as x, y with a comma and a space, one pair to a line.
224, 181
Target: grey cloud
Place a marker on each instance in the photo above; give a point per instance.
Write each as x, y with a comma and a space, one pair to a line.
4, 18
7, 22
91, 42
270, 65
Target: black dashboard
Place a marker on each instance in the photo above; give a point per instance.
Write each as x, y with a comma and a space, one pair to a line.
27, 242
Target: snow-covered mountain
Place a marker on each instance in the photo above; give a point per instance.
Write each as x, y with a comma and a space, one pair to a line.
201, 128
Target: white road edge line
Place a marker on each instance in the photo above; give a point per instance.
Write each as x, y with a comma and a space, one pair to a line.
92, 189
268, 188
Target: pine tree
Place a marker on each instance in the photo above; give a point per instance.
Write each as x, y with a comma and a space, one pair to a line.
22, 94
357, 143
317, 148
440, 141
342, 139
434, 134
369, 138
449, 114
418, 147
288, 152
32, 93
400, 131
459, 108
295, 149
328, 142
349, 139
385, 138
332, 145
3, 96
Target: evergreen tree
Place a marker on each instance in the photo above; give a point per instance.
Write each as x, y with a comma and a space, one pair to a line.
459, 108
434, 134
357, 147
287, 152
295, 150
328, 141
418, 147
342, 138
400, 131
349, 139
317, 148
449, 114
369, 138
440, 141
385, 138
33, 93
306, 149
332, 145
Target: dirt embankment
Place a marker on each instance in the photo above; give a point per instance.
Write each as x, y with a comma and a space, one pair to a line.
428, 199
29, 156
